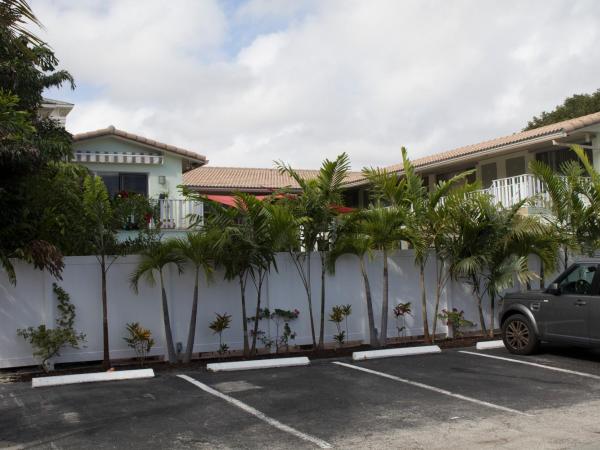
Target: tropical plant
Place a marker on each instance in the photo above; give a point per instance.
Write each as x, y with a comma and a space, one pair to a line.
48, 342
351, 240
315, 209
153, 260
493, 248
337, 317
220, 324
140, 340
455, 320
198, 248
401, 310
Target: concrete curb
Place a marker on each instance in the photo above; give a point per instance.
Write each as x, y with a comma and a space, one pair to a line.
485, 345
92, 377
389, 353
258, 364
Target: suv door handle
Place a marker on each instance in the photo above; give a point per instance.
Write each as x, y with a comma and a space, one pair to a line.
580, 303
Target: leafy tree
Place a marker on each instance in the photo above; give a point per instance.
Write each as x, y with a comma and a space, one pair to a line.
153, 261
198, 248
574, 106
27, 142
315, 206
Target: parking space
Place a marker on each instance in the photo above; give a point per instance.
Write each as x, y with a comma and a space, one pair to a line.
417, 402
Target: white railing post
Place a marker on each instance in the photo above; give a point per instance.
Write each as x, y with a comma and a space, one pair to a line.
175, 213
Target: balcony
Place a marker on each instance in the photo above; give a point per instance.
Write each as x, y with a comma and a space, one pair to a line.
510, 191
178, 214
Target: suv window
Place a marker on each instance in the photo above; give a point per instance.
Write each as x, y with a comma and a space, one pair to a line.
579, 280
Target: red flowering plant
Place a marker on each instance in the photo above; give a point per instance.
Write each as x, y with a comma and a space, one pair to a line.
455, 320
401, 310
134, 211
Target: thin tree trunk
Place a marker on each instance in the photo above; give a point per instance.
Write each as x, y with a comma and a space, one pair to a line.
480, 310
105, 342
441, 282
309, 298
384, 303
322, 324
256, 317
566, 252
192, 331
168, 335
369, 300
244, 316
426, 335
542, 274
492, 302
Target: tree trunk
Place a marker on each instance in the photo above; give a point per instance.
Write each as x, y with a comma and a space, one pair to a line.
244, 316
542, 274
322, 329
480, 310
256, 317
167, 321
426, 335
369, 300
438, 295
384, 303
566, 252
492, 302
105, 342
309, 298
192, 331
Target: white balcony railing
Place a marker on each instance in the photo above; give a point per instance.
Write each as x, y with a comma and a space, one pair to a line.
176, 214
509, 191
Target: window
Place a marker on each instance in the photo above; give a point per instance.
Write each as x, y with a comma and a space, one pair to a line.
579, 280
488, 174
515, 166
130, 182
555, 158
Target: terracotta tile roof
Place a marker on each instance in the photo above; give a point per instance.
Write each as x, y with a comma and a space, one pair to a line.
256, 179
524, 138
112, 131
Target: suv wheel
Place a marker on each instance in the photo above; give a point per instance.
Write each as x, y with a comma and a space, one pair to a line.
519, 336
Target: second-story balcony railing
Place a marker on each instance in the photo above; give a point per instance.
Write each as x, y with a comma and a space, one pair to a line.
179, 214
510, 191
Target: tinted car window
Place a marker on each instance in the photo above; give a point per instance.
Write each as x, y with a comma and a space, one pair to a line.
579, 280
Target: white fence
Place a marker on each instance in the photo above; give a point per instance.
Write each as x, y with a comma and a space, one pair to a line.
179, 214
31, 302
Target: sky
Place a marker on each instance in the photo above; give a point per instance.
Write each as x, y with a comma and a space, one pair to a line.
249, 82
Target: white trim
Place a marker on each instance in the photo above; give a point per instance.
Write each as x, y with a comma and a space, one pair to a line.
388, 353
489, 344
92, 377
258, 364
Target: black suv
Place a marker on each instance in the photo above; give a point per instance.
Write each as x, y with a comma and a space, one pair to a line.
567, 312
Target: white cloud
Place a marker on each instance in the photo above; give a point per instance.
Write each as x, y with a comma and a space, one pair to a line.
362, 77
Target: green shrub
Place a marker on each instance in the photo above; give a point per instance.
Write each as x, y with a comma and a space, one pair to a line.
47, 342
140, 340
220, 324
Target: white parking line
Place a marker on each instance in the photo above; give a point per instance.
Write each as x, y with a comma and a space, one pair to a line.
255, 412
518, 361
433, 388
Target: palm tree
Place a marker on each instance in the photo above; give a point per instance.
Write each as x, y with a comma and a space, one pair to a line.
492, 248
153, 260
385, 227
315, 206
410, 194
351, 240
198, 248
567, 208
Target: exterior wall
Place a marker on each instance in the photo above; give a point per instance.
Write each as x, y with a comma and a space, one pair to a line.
171, 167
31, 302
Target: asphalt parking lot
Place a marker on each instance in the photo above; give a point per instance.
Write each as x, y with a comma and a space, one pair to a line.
449, 400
